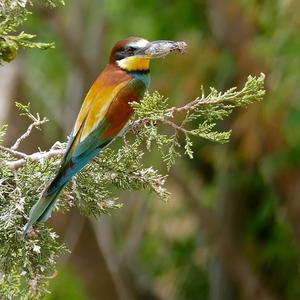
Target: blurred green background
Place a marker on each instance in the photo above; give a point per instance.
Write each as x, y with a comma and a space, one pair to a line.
232, 227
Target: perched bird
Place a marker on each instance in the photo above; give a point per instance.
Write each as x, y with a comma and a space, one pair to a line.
104, 112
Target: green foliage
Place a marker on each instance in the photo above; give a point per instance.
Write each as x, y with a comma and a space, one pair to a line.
203, 112
2, 132
153, 107
25, 111
26, 264
13, 13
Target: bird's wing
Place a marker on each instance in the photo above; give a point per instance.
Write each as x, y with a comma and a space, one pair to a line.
116, 116
91, 114
101, 123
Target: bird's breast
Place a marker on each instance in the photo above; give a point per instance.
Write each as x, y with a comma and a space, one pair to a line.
120, 109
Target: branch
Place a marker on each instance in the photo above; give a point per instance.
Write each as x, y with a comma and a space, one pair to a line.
56, 150
26, 134
223, 102
227, 97
38, 157
13, 152
176, 127
137, 125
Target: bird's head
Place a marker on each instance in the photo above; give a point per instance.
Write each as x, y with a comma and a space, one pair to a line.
134, 53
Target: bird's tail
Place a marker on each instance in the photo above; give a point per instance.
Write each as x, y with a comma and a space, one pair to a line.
41, 211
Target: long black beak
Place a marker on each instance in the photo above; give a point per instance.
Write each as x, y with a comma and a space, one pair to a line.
161, 48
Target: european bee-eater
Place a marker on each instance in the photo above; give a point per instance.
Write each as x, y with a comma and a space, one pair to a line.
104, 112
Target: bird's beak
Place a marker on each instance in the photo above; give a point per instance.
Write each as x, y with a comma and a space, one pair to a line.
161, 48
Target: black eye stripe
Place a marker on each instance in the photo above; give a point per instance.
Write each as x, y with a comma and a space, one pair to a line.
125, 52
130, 48
119, 55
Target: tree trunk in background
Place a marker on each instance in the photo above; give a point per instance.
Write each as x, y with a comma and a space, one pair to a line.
11, 91
90, 265
287, 184
222, 286
9, 74
232, 210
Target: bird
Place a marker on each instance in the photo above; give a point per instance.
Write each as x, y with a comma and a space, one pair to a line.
104, 113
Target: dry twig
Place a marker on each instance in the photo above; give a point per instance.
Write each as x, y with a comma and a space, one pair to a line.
26, 134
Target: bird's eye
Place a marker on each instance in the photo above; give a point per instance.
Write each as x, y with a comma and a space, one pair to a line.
130, 49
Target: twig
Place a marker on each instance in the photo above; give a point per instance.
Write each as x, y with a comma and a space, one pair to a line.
186, 108
38, 156
137, 125
26, 134
199, 101
174, 125
13, 152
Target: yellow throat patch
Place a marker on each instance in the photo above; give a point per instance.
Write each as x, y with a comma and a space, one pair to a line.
134, 63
